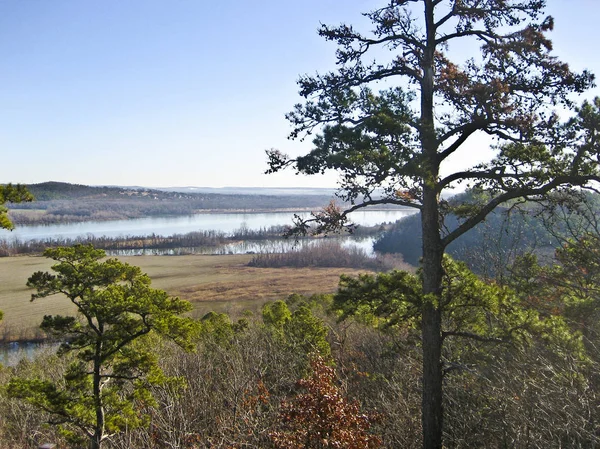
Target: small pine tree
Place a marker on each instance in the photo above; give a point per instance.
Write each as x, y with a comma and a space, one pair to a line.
107, 386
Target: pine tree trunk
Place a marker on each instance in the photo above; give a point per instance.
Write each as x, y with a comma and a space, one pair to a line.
95, 442
432, 412
96, 439
431, 326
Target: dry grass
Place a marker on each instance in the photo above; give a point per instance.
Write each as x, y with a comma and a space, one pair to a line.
27, 213
21, 317
220, 283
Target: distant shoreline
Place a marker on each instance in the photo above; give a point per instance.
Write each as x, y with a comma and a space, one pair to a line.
377, 208
25, 217
62, 203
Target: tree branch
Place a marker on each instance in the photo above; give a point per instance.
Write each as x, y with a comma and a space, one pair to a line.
465, 131
484, 35
499, 176
512, 194
472, 336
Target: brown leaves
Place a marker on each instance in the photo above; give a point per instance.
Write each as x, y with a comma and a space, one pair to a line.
322, 417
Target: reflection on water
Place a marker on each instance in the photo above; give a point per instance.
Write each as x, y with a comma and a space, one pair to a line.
250, 247
165, 226
12, 353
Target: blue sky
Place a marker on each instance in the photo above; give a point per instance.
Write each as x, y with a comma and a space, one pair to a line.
179, 92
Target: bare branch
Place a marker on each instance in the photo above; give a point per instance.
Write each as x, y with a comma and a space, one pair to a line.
473, 336
465, 132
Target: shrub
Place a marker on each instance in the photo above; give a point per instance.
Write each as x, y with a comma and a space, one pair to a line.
326, 254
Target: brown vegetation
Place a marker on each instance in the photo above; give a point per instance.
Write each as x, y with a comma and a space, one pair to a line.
222, 283
234, 388
328, 254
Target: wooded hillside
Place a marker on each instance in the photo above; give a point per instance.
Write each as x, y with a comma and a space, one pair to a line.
57, 202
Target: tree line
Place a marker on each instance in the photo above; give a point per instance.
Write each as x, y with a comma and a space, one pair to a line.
507, 233
191, 241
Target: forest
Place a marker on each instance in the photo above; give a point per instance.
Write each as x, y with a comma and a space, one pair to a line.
489, 339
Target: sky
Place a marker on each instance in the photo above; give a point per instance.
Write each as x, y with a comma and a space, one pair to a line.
164, 93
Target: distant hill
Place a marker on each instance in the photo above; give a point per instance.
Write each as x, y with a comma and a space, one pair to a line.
271, 191
53, 190
507, 232
59, 202
48, 191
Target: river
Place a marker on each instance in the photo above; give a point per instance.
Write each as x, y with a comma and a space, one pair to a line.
165, 226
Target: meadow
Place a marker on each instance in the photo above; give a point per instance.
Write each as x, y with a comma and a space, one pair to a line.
222, 283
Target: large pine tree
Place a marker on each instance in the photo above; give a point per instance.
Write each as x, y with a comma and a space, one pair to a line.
393, 145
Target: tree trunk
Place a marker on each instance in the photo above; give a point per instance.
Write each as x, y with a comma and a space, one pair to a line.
431, 326
432, 412
96, 439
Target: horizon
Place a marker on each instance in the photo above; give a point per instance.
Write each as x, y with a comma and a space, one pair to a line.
292, 190
179, 187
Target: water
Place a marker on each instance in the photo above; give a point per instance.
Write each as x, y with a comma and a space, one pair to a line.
249, 247
12, 353
165, 226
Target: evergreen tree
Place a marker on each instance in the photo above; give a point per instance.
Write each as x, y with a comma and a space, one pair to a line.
106, 387
393, 146
12, 194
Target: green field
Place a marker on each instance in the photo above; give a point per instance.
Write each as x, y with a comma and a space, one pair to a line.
221, 283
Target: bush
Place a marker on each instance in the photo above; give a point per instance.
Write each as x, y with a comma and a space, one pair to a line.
326, 254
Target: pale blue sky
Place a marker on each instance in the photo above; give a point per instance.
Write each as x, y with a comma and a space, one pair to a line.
179, 92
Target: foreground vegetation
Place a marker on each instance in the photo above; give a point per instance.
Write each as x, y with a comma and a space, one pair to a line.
521, 368
111, 369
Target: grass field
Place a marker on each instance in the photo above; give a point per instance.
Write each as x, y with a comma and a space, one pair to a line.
220, 283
